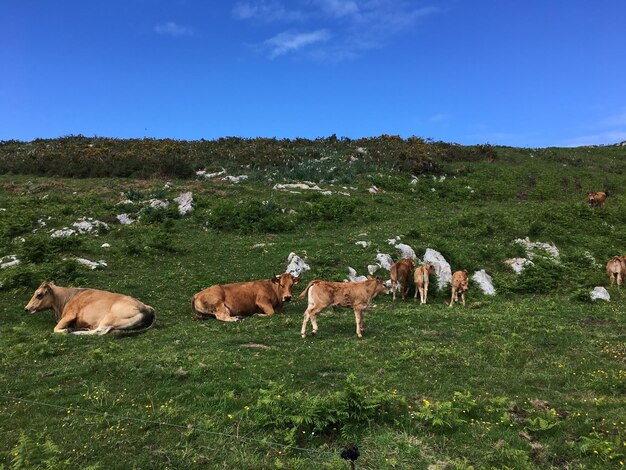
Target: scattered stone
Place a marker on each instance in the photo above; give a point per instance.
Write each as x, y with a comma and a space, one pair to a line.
374, 190
158, 203
442, 267
185, 203
362, 243
518, 264
124, 219
288, 186
534, 249
352, 276
204, 174
64, 232
372, 268
600, 293
8, 261
105, 245
327, 193
3, 209
91, 264
88, 225
384, 261
296, 266
167, 185
235, 179
484, 281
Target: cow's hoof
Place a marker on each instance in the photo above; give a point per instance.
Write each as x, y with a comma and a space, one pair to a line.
314, 333
360, 336
303, 336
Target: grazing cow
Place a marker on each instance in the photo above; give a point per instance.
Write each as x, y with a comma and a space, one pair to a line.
91, 311
400, 274
460, 285
357, 295
616, 269
595, 199
229, 302
421, 281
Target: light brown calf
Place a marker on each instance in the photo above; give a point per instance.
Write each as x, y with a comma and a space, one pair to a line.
460, 285
91, 311
400, 274
229, 302
421, 277
616, 269
322, 294
595, 199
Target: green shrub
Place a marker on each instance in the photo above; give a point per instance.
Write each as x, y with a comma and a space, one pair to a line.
249, 216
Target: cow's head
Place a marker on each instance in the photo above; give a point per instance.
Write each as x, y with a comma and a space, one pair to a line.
42, 298
429, 268
409, 262
381, 287
285, 283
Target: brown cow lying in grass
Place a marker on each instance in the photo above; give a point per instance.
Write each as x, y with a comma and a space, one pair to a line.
229, 302
421, 276
91, 311
400, 274
460, 285
616, 269
358, 295
595, 199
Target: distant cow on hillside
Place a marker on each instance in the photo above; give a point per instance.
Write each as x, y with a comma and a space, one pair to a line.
229, 302
421, 277
400, 274
595, 199
460, 285
616, 269
322, 294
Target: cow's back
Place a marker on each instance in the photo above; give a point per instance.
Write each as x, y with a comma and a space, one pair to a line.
91, 305
242, 298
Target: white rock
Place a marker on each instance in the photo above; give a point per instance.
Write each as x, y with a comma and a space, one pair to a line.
535, 248
384, 260
394, 240
442, 267
343, 193
518, 264
91, 264
167, 185
204, 174
88, 225
105, 245
125, 201
8, 261
124, 219
296, 265
185, 203
406, 251
352, 276
235, 179
374, 190
64, 232
3, 209
361, 150
158, 203
306, 185
600, 293
326, 193
362, 243
372, 268
484, 281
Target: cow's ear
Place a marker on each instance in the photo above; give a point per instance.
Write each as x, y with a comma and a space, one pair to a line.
370, 278
275, 279
51, 283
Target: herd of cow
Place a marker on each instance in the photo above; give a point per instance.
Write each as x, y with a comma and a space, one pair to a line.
92, 311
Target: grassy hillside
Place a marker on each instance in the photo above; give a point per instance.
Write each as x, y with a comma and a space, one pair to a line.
534, 377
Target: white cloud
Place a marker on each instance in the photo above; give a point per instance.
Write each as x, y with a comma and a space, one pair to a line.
172, 29
265, 10
439, 117
339, 8
290, 42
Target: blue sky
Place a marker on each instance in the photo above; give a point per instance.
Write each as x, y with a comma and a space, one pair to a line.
521, 73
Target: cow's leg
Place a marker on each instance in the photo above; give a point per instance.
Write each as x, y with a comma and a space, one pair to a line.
358, 318
405, 290
418, 290
101, 330
619, 279
267, 308
222, 313
313, 316
304, 323
425, 291
463, 298
64, 323
393, 289
452, 298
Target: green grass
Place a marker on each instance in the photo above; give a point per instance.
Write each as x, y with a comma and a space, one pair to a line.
426, 384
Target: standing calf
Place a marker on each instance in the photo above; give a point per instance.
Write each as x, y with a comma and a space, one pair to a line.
421, 281
322, 294
460, 285
595, 199
400, 274
616, 269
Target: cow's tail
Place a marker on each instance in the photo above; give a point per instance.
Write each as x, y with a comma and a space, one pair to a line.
193, 306
301, 296
144, 324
